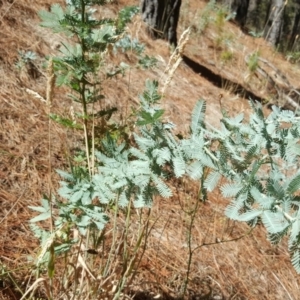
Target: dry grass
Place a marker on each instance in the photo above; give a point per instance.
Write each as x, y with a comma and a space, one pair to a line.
248, 268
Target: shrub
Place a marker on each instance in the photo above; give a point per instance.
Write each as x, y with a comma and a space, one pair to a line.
259, 159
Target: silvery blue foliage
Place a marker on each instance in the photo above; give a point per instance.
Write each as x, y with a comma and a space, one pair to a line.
259, 158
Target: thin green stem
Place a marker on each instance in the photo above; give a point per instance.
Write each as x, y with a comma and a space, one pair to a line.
113, 246
83, 90
193, 214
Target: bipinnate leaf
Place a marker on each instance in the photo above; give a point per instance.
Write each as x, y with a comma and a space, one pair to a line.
249, 215
294, 185
123, 199
195, 170
212, 180
162, 155
198, 116
139, 201
274, 222
179, 166
207, 161
138, 153
295, 230
296, 259
162, 188
144, 143
264, 201
231, 189
141, 180
232, 210
235, 121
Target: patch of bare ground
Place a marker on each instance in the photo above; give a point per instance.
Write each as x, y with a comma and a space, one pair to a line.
229, 261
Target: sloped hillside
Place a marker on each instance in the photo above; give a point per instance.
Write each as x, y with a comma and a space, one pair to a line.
221, 65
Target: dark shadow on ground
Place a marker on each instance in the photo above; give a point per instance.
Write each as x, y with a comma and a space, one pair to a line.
218, 80
164, 296
151, 296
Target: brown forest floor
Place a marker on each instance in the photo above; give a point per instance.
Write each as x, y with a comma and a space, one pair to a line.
249, 268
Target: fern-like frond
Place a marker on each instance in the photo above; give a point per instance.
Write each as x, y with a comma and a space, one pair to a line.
292, 152
295, 232
249, 215
274, 221
264, 201
162, 155
250, 154
144, 143
139, 201
123, 199
119, 183
150, 95
139, 167
96, 216
275, 189
138, 153
234, 121
179, 165
102, 189
276, 238
212, 180
162, 188
207, 161
294, 184
141, 180
235, 207
231, 189
296, 259
198, 116
193, 147
195, 170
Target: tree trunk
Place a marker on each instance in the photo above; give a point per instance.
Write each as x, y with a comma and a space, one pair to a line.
252, 14
162, 18
241, 12
239, 8
274, 22
295, 30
